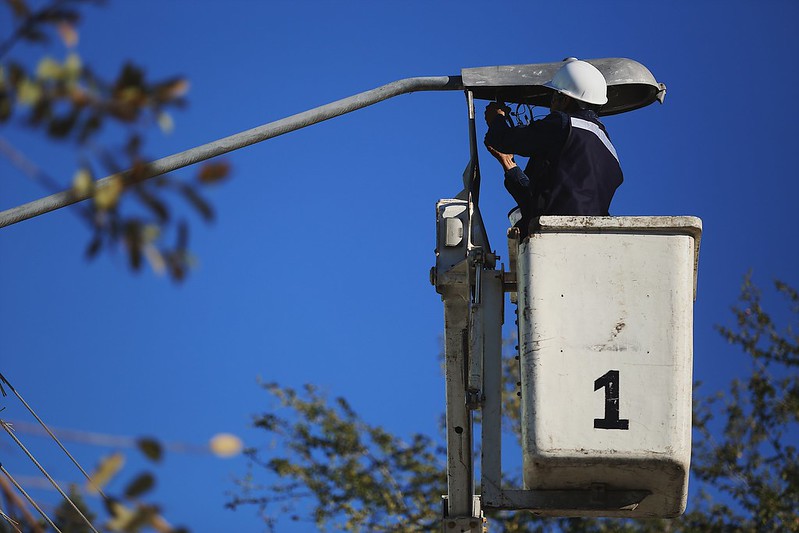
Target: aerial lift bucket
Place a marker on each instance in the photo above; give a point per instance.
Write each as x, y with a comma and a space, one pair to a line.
616, 455
605, 321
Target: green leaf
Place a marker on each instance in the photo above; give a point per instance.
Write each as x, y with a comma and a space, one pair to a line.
130, 77
34, 35
56, 13
95, 245
153, 203
142, 484
151, 448
28, 92
16, 74
73, 66
49, 69
19, 8
134, 243
60, 127
6, 106
182, 239
90, 127
198, 202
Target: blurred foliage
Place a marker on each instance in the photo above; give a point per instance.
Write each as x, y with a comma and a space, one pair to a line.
69, 521
358, 477
65, 101
126, 512
747, 448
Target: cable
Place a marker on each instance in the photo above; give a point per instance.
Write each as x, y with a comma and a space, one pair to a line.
30, 500
523, 115
11, 521
52, 435
43, 471
13, 500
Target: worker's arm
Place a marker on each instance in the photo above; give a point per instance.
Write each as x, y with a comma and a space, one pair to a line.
506, 160
538, 139
516, 181
517, 175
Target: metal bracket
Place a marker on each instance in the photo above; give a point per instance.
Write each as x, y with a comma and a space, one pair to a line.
474, 399
510, 283
464, 524
597, 499
477, 264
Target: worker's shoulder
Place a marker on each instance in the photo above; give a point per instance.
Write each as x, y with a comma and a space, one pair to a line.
555, 119
585, 114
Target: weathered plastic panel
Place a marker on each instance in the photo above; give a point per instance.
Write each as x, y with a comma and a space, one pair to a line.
606, 342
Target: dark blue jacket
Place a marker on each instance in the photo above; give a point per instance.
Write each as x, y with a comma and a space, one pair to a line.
573, 168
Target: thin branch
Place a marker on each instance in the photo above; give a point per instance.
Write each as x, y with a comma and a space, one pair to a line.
31, 21
35, 173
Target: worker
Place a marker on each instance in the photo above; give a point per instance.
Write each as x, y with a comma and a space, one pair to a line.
573, 167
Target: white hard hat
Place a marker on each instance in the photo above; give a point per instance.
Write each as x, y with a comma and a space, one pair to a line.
581, 81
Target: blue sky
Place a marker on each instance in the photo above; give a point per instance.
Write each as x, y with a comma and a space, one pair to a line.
316, 268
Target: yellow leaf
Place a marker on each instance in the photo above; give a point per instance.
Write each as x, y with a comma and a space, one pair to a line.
109, 466
151, 233
28, 92
107, 195
165, 122
130, 94
82, 183
122, 517
160, 525
49, 69
226, 445
155, 258
73, 65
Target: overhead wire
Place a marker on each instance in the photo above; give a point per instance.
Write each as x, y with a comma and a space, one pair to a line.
13, 523
8, 429
35, 173
12, 500
52, 435
30, 500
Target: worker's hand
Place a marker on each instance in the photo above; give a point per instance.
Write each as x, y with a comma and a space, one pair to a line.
494, 109
506, 160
